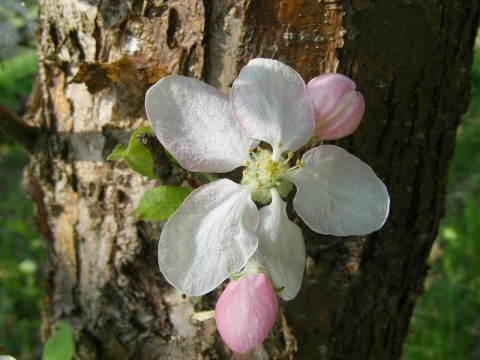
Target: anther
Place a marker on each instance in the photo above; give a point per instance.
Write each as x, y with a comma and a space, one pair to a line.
246, 163
266, 156
299, 163
257, 185
245, 172
279, 144
270, 174
259, 148
290, 155
249, 150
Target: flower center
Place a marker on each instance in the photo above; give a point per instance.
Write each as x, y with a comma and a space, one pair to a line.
267, 174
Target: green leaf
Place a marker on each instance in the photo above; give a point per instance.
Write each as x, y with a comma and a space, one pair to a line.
137, 156
60, 346
160, 202
117, 153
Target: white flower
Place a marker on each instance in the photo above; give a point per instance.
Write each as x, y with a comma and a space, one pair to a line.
218, 227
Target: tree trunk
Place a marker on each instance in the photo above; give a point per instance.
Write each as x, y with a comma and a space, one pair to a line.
411, 59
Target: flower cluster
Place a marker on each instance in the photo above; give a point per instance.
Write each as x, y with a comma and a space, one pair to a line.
219, 227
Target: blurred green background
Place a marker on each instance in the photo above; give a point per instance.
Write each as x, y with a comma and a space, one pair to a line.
446, 321
21, 252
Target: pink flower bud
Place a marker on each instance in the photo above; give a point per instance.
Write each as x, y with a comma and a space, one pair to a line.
246, 311
337, 105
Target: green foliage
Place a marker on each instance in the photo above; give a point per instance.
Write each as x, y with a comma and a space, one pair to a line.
21, 252
21, 261
160, 202
16, 77
60, 346
446, 321
135, 155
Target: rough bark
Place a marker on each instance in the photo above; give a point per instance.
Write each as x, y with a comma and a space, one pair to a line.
410, 59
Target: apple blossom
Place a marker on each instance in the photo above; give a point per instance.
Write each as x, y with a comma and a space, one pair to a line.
338, 107
218, 227
246, 311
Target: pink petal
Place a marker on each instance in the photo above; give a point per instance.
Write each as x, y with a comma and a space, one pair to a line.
338, 106
246, 311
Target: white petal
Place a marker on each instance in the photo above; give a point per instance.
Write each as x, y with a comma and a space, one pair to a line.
194, 122
270, 102
338, 194
210, 236
281, 248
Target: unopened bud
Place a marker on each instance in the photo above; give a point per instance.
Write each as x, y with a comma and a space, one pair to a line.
337, 105
246, 311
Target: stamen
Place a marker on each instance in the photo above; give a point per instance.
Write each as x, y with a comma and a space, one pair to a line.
262, 172
299, 163
255, 157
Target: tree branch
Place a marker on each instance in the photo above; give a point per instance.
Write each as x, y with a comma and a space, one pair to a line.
18, 129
